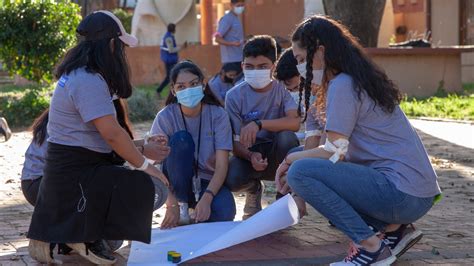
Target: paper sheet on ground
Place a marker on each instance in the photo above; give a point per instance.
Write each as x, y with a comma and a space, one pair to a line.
197, 240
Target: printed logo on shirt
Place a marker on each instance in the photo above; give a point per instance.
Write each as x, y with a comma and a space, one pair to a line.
252, 116
62, 81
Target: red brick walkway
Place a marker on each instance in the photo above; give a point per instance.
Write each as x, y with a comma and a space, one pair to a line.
448, 227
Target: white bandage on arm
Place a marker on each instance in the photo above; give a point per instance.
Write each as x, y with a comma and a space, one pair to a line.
338, 147
313, 133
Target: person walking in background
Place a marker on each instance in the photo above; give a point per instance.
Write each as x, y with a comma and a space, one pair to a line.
5, 129
169, 54
230, 34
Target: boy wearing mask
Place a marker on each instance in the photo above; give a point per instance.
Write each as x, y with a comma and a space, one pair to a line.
264, 118
222, 82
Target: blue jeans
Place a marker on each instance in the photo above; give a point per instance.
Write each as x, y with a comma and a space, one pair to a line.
166, 81
179, 168
353, 196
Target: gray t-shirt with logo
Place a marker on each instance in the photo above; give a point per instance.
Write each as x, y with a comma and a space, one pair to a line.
79, 98
244, 104
383, 141
230, 28
35, 157
216, 133
219, 87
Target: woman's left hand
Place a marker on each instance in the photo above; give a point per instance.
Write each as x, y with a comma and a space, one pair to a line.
280, 178
202, 212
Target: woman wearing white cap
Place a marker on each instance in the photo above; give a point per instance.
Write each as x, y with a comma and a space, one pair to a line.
85, 194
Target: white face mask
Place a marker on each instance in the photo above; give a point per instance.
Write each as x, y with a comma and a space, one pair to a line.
317, 73
239, 10
258, 79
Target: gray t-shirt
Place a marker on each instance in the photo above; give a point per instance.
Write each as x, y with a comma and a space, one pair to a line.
35, 157
383, 141
79, 98
230, 28
219, 87
313, 127
244, 104
216, 132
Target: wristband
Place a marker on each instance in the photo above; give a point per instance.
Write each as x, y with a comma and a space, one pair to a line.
210, 192
144, 165
259, 123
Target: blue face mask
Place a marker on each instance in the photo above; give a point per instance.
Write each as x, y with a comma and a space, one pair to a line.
190, 97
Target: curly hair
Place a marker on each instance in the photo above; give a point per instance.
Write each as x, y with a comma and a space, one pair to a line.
343, 53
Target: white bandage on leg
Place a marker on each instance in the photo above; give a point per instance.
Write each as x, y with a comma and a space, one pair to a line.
338, 147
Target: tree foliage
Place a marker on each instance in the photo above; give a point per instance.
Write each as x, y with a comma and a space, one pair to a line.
34, 35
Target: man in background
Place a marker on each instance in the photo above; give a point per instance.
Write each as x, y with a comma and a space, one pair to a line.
169, 54
230, 34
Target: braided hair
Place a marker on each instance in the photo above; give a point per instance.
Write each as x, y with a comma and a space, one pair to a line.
343, 53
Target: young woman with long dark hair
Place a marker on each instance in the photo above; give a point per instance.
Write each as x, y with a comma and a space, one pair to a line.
373, 169
200, 138
85, 194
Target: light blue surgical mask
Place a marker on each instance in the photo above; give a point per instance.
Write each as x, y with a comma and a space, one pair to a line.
295, 95
190, 97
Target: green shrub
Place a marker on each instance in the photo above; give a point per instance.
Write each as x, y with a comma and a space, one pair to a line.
21, 109
142, 105
34, 35
125, 17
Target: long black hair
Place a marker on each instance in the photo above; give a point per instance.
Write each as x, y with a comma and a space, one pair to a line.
343, 53
190, 67
39, 127
286, 69
106, 57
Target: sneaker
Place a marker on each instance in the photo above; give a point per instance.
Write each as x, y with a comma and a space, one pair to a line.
357, 255
42, 252
402, 239
95, 252
5, 129
184, 217
113, 245
253, 202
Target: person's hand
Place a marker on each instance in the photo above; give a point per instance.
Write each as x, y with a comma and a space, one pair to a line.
202, 212
236, 43
156, 150
155, 173
258, 163
301, 204
162, 139
171, 217
280, 178
248, 134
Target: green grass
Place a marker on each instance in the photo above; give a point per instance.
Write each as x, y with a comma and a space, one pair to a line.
453, 106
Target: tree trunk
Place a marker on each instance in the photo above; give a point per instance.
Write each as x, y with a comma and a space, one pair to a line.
362, 17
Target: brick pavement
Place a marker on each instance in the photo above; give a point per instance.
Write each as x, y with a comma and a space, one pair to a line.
448, 227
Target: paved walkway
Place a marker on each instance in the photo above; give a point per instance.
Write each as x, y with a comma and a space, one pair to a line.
448, 227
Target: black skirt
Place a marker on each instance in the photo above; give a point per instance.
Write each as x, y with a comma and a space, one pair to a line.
85, 196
